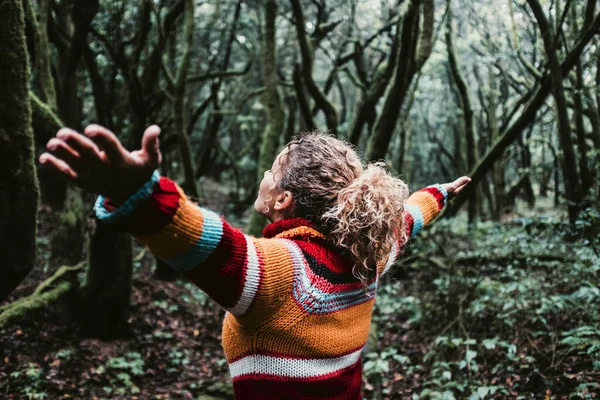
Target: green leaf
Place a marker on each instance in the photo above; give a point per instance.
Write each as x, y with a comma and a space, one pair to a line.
483, 391
470, 355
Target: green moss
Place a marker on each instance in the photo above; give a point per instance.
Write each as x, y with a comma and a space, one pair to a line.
19, 192
68, 238
33, 302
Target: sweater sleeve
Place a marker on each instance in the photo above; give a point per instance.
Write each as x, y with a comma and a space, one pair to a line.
420, 209
221, 260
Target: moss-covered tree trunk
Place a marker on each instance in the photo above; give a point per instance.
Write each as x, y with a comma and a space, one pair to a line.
569, 160
493, 133
18, 182
68, 237
307, 56
179, 114
415, 45
106, 295
467, 110
275, 114
587, 179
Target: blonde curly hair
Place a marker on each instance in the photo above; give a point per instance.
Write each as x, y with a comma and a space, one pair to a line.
359, 208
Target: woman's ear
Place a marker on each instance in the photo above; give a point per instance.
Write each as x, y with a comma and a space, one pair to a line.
284, 201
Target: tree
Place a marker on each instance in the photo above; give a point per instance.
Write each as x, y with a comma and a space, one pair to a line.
274, 112
464, 100
569, 160
415, 48
19, 191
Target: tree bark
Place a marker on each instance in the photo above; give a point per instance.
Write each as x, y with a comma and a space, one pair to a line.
467, 109
307, 69
19, 191
366, 112
274, 110
584, 169
179, 111
105, 298
385, 125
45, 81
569, 161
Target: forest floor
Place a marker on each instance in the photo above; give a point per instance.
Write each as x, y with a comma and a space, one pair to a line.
486, 348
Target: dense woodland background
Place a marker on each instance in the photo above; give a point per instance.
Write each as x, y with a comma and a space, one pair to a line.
498, 299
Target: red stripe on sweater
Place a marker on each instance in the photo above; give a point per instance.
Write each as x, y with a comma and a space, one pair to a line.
222, 275
341, 385
328, 287
290, 357
410, 222
439, 196
156, 212
325, 254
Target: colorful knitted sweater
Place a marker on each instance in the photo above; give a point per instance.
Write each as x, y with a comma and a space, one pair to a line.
297, 318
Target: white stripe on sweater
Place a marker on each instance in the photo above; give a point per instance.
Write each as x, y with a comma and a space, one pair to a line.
392, 257
251, 280
291, 367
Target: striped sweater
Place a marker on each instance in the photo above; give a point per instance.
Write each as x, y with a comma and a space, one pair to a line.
297, 318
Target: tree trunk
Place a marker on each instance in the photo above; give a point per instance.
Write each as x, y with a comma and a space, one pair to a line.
366, 112
307, 53
179, 114
569, 162
19, 191
274, 110
383, 130
465, 103
44, 80
66, 247
584, 169
107, 292
498, 178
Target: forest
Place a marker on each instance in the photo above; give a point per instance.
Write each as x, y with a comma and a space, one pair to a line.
498, 298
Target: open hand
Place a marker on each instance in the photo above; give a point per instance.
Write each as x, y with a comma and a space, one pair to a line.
453, 188
98, 162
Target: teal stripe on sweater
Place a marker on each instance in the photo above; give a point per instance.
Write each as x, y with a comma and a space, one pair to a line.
125, 210
417, 215
212, 231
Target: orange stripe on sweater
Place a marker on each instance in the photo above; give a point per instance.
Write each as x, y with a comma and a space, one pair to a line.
427, 203
327, 335
180, 234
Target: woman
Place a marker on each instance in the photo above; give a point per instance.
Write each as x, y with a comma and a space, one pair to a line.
300, 299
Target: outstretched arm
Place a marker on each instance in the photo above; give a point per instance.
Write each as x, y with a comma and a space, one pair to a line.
421, 208
224, 262
221, 260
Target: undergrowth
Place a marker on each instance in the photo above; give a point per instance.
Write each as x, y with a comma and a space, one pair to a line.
498, 311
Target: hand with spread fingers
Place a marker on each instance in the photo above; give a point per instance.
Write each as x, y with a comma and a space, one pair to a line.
453, 188
98, 162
